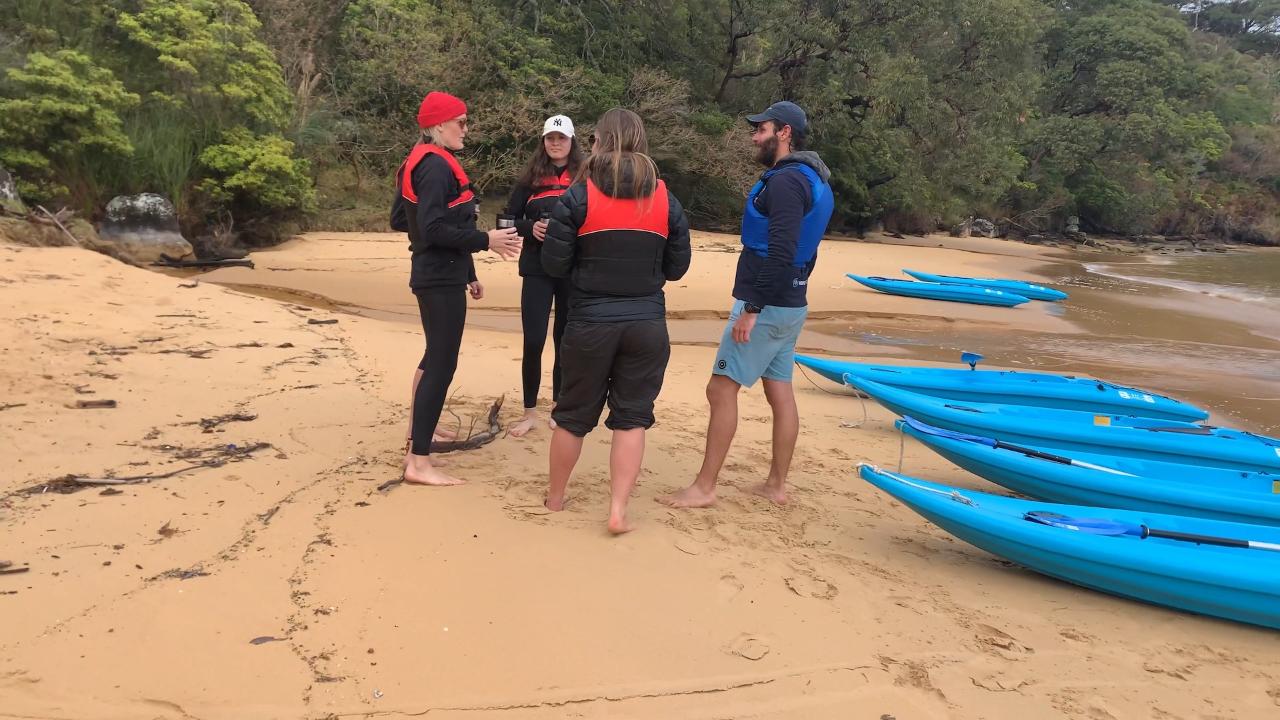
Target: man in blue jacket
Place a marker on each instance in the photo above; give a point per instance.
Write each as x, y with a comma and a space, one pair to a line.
786, 216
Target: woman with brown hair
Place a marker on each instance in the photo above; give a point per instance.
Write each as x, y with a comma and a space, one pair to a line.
549, 173
435, 205
619, 235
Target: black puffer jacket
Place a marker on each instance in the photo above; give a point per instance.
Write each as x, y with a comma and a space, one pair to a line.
617, 275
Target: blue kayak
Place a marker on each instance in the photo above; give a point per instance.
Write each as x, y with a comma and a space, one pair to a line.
1125, 435
938, 291
1236, 583
1020, 287
1011, 387
1084, 478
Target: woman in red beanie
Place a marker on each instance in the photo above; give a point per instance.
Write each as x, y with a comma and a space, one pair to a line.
435, 205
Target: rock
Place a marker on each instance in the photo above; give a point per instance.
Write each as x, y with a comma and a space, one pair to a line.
963, 230
1035, 239
9, 198
983, 227
141, 228
1073, 224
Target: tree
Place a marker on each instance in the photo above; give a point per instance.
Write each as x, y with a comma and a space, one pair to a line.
59, 113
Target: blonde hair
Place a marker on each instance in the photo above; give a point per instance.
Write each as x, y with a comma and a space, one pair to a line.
621, 155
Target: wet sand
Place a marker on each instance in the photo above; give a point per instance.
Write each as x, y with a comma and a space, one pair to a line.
268, 577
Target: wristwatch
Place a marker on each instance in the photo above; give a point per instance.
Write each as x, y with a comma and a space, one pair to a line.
753, 309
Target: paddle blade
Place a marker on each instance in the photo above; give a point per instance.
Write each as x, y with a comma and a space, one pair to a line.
940, 432
971, 358
1093, 526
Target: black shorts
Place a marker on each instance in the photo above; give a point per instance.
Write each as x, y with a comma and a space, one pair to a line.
621, 363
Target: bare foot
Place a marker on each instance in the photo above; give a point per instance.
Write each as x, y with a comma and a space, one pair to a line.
551, 423
776, 495
419, 471
619, 525
522, 428
555, 505
690, 497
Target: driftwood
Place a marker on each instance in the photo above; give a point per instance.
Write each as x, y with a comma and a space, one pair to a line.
209, 424
72, 483
172, 262
57, 220
7, 568
10, 406
314, 321
472, 441
92, 404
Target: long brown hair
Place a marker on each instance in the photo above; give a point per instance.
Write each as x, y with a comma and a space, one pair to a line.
541, 166
620, 164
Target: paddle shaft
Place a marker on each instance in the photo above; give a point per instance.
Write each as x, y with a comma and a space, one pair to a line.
1208, 539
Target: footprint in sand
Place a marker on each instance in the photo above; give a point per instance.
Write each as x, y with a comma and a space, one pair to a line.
729, 588
1077, 635
998, 642
811, 587
748, 646
1274, 694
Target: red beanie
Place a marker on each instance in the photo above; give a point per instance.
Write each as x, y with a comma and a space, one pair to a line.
438, 107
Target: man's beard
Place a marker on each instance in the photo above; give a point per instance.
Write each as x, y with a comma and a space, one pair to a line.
767, 153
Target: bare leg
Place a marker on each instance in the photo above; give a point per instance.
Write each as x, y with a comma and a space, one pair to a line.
526, 423
625, 455
566, 448
419, 471
722, 394
786, 428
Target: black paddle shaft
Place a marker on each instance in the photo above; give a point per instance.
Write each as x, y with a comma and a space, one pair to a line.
1190, 537
1034, 453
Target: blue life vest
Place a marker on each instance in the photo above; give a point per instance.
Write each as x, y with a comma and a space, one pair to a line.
755, 226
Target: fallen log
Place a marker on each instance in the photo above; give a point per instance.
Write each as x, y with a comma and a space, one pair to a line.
172, 262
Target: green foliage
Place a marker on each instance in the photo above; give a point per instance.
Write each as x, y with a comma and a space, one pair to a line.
256, 172
205, 58
1136, 115
57, 112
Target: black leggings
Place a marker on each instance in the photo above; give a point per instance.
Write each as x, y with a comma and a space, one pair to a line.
444, 312
535, 310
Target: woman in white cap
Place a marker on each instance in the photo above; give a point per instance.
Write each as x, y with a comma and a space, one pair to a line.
548, 174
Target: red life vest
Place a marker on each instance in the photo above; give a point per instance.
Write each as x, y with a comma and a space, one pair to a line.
606, 213
552, 186
405, 174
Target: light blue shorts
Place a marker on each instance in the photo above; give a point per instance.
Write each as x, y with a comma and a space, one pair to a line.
769, 353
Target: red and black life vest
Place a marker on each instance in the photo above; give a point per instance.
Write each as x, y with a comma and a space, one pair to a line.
404, 176
622, 242
551, 186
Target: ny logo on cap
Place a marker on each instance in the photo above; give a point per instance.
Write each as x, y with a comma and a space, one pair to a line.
557, 122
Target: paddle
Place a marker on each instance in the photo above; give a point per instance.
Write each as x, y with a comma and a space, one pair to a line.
1002, 445
972, 358
1103, 526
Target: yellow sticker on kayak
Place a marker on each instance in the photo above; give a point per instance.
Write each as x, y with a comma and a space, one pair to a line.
1275, 486
1104, 420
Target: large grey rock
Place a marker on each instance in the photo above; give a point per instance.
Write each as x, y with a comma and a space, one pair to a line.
982, 227
9, 198
143, 227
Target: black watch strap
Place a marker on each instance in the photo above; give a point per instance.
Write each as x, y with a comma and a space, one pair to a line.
753, 309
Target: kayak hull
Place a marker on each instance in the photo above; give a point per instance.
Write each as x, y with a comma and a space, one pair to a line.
1238, 584
1012, 387
1018, 287
1126, 483
939, 291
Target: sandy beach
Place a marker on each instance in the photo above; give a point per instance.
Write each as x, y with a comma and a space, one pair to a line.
267, 576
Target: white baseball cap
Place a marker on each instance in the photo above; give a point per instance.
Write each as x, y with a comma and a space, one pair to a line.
558, 123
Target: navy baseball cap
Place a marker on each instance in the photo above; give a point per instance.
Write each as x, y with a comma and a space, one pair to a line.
785, 112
